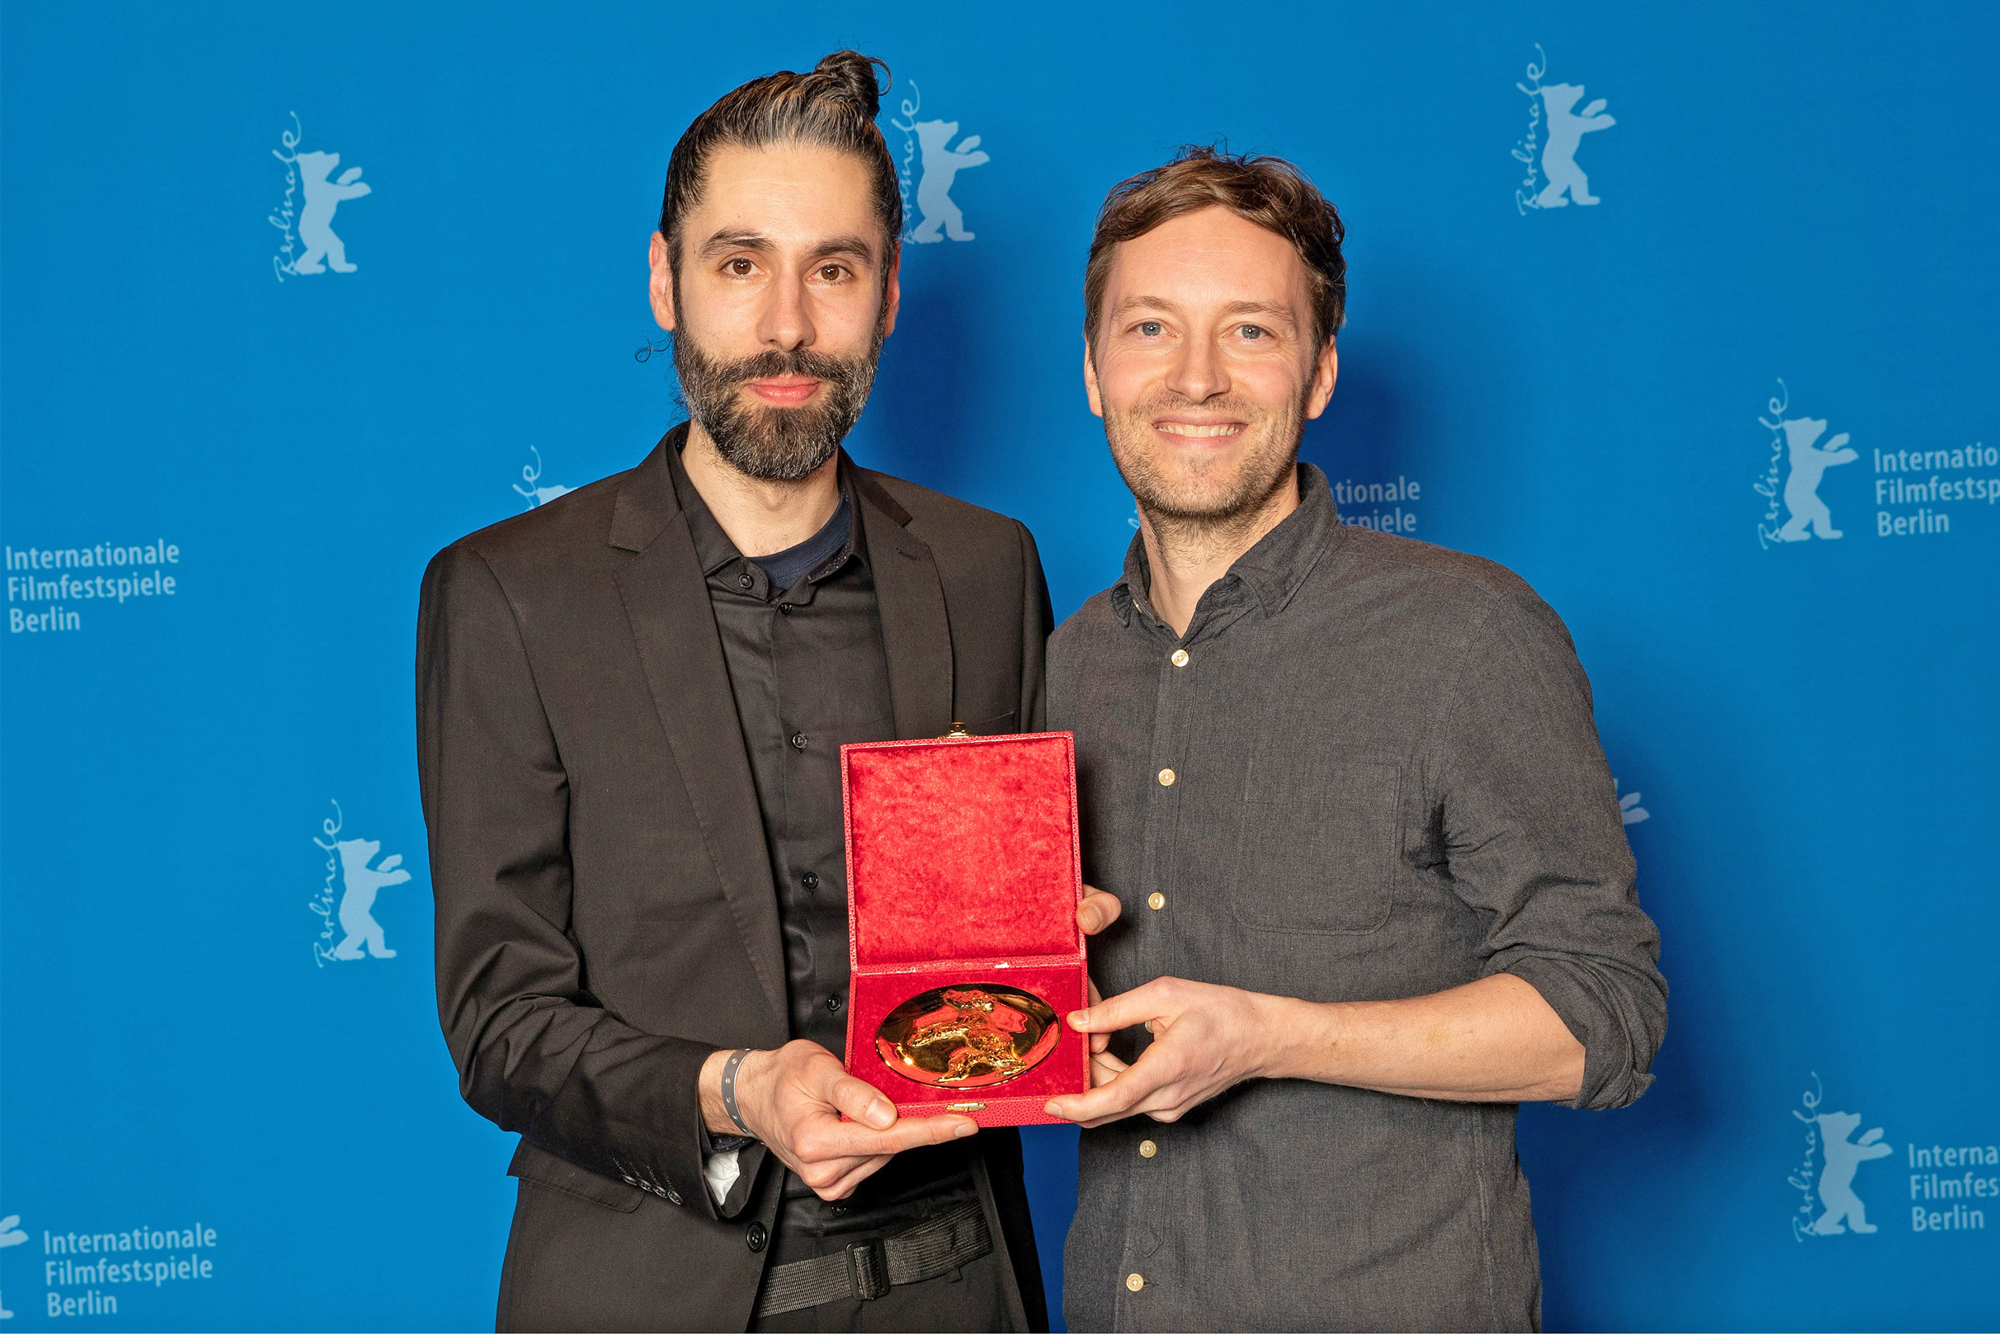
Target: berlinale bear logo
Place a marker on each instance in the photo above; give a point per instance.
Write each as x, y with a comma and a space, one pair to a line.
1555, 132
10, 1235
1825, 1176
347, 896
1795, 443
534, 491
312, 174
928, 149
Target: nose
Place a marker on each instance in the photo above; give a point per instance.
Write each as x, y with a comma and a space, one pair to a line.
1198, 373
787, 321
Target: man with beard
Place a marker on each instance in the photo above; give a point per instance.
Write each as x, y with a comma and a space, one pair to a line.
1372, 885
631, 703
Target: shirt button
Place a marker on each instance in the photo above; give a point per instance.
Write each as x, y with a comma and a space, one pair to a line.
833, 1004
1167, 777
1134, 1282
673, 1196
745, 581
810, 880
755, 1236
1156, 900
1180, 658
1147, 1148
785, 607
798, 741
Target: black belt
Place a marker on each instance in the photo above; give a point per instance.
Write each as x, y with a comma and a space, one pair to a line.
868, 1269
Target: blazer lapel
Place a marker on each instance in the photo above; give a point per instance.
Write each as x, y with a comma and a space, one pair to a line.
916, 632
666, 601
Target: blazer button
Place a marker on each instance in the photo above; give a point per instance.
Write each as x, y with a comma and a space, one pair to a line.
673, 1196
755, 1236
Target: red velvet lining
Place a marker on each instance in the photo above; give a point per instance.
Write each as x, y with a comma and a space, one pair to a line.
871, 995
962, 849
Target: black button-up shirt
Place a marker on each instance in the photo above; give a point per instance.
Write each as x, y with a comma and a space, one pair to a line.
808, 669
1367, 771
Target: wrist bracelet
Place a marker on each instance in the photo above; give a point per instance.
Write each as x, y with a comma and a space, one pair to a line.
729, 1068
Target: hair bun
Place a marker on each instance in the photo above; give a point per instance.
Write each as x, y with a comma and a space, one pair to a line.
855, 73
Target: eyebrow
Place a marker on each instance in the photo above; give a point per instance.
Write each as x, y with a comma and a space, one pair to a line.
853, 247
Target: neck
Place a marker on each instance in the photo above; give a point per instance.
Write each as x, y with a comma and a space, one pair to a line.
760, 517
1184, 556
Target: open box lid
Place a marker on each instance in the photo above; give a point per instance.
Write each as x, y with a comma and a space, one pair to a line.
961, 849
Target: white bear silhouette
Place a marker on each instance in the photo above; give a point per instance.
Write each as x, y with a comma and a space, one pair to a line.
1836, 1179
316, 222
941, 168
10, 1235
1566, 131
356, 903
1802, 485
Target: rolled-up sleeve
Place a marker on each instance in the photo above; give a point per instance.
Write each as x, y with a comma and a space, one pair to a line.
1534, 838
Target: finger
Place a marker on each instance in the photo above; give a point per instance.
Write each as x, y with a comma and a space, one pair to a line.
1105, 1068
1121, 1011
836, 1139
861, 1101
846, 1185
1120, 1096
1097, 910
1099, 1042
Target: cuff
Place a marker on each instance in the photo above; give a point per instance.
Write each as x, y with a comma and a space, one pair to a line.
1588, 1004
730, 1164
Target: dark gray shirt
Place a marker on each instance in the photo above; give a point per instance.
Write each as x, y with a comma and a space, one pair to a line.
1367, 771
809, 674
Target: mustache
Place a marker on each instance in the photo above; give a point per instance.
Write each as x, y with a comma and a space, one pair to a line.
772, 363
1169, 401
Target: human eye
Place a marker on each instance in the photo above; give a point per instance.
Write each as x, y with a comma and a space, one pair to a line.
1149, 328
1251, 332
832, 273
742, 266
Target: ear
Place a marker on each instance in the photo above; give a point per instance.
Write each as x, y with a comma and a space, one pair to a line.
1325, 371
892, 291
1090, 390
660, 287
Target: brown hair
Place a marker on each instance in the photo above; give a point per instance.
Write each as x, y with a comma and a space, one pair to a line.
1268, 191
832, 107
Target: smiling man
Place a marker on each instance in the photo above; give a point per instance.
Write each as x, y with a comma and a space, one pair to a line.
631, 703
1371, 885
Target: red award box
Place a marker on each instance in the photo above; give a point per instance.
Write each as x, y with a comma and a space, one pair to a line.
963, 877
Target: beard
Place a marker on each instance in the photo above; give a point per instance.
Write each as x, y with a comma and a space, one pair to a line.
775, 444
1216, 494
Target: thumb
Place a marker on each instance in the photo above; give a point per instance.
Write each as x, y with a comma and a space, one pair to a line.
1097, 910
861, 1101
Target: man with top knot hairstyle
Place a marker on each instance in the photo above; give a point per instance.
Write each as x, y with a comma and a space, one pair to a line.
630, 708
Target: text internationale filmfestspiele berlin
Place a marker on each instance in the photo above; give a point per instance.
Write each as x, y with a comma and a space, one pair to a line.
49, 589
90, 1273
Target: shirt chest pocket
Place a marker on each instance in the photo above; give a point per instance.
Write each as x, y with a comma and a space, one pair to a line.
1320, 840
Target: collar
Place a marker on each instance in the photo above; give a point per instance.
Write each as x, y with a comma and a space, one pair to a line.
1272, 570
712, 547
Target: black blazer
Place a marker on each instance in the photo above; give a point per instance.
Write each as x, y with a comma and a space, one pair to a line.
605, 911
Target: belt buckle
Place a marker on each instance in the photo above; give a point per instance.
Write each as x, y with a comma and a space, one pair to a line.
868, 1268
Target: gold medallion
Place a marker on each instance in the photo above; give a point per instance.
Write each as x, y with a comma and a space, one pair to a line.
968, 1036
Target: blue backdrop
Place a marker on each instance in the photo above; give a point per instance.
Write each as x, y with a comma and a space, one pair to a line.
1684, 313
